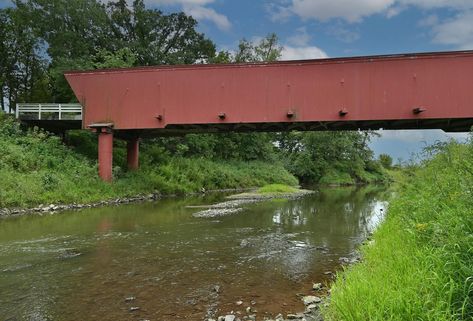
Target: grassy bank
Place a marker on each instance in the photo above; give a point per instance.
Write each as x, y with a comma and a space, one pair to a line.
36, 168
420, 265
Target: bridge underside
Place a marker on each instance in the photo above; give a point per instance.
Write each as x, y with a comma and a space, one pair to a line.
410, 91
54, 126
447, 125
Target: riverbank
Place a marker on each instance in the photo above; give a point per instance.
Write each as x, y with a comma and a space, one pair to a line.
41, 173
419, 265
37, 168
244, 196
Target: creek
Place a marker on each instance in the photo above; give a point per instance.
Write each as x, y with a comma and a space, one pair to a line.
156, 261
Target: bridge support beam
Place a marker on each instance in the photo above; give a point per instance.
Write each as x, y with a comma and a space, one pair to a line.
105, 136
133, 153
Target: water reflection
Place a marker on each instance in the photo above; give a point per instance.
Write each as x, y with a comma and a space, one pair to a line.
83, 266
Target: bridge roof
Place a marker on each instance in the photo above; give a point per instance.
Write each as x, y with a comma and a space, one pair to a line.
328, 60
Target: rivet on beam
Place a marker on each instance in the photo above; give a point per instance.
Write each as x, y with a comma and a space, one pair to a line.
418, 110
159, 117
222, 116
290, 114
343, 112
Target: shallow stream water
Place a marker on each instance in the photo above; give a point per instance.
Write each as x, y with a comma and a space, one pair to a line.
155, 261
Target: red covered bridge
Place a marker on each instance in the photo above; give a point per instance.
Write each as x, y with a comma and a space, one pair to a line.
409, 91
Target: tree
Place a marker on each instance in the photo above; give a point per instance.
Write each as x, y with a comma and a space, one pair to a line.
386, 161
267, 49
69, 29
70, 34
3, 56
22, 68
157, 38
313, 155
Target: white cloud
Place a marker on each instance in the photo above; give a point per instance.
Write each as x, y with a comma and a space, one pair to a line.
457, 32
204, 13
279, 11
198, 9
301, 53
394, 11
298, 47
300, 38
409, 144
432, 4
354, 11
349, 10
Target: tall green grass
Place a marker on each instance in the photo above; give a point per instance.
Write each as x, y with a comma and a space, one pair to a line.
37, 168
277, 188
420, 265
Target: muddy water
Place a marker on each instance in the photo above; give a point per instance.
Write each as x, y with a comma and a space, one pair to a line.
155, 261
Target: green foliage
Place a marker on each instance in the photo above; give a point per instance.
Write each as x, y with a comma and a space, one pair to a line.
156, 38
228, 146
386, 161
62, 92
268, 49
22, 68
420, 265
36, 168
276, 188
330, 157
334, 177
71, 29
122, 58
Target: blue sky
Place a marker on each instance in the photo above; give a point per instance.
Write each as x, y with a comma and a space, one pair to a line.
335, 27
311, 29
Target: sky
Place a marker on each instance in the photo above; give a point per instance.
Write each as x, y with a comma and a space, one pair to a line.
310, 29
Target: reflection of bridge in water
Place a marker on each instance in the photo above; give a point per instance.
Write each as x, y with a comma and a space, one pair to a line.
411, 91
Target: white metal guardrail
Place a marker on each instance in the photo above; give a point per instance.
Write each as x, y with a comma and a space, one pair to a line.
49, 111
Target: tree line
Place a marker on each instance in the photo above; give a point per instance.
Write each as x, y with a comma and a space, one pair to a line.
41, 39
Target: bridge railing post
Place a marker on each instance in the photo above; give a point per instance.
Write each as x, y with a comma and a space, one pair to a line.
39, 112
17, 111
60, 112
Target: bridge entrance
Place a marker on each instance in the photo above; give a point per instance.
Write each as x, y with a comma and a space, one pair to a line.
56, 118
